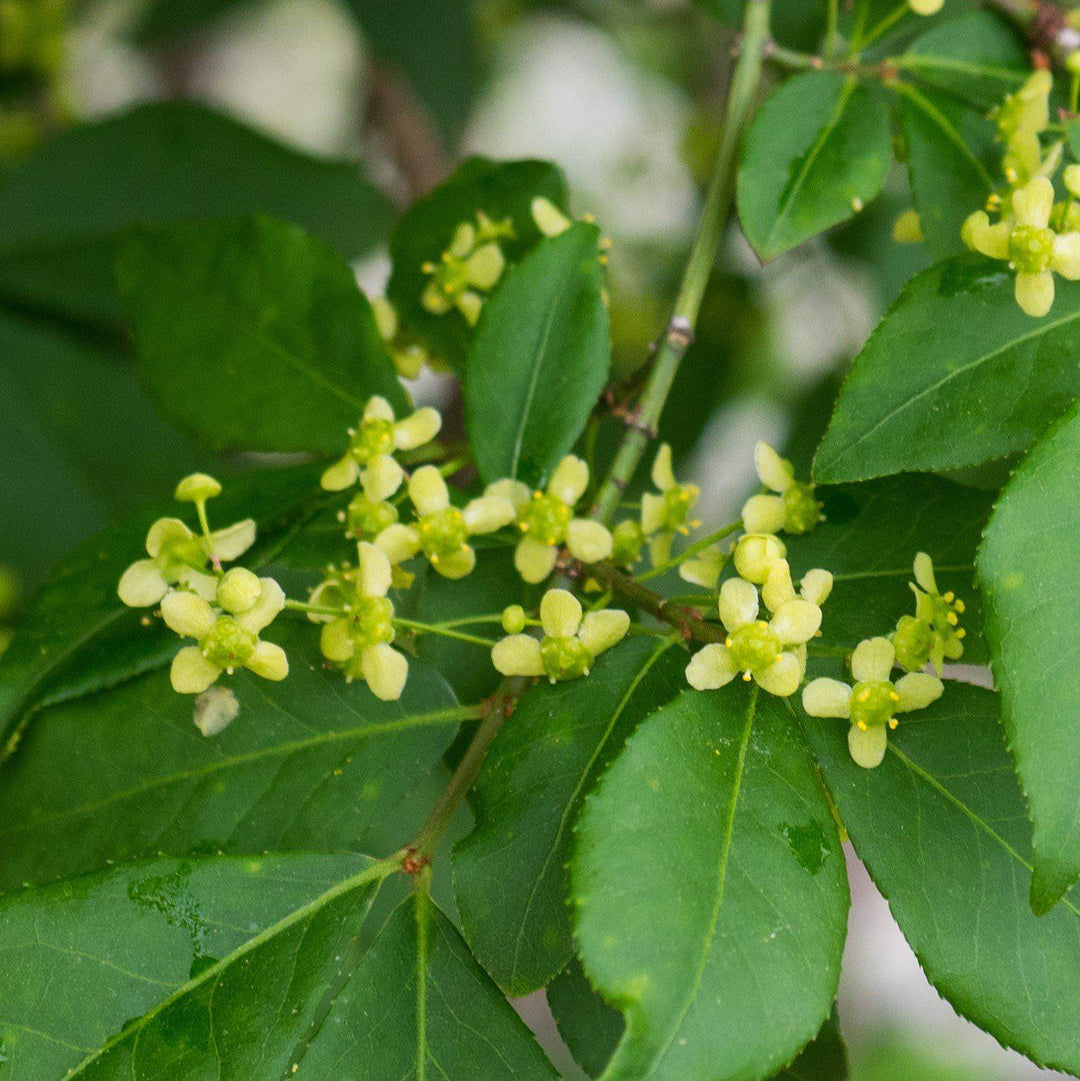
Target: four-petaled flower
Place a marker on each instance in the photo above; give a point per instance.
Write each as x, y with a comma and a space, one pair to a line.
546, 520
442, 531
873, 703
772, 653
474, 261
359, 639
570, 644
933, 634
666, 511
227, 635
372, 444
792, 508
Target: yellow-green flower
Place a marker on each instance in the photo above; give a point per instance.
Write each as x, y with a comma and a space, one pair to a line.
666, 512
571, 642
1027, 243
773, 652
872, 704
755, 554
546, 520
372, 445
409, 357
359, 639
228, 635
704, 569
179, 557
473, 264
933, 635
792, 507
442, 531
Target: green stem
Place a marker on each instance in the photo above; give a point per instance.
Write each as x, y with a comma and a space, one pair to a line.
314, 609
443, 632
831, 19
690, 551
680, 330
793, 60
885, 25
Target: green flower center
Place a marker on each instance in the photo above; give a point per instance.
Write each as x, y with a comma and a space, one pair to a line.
183, 553
442, 533
565, 658
1031, 249
802, 510
227, 645
912, 641
373, 438
754, 647
545, 518
678, 503
371, 621
367, 519
873, 702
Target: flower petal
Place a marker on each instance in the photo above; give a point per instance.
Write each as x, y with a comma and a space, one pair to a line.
373, 570
166, 531
1033, 203
203, 584
517, 655
191, 672
516, 491
341, 475
560, 613
873, 660
1035, 293
142, 584
336, 642
755, 554
989, 240
385, 670
710, 668
1066, 259
271, 601
778, 589
924, 572
381, 478
738, 603
569, 481
187, 614
816, 586
378, 408
827, 698
233, 541
601, 630
457, 564
917, 690
782, 677
763, 514
418, 429
269, 661
652, 513
867, 746
663, 476
705, 570
398, 542
534, 561
796, 622
773, 471
587, 540
428, 491
488, 513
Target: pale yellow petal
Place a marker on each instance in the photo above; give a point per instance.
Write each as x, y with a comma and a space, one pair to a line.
873, 660
738, 604
601, 630
142, 584
187, 614
517, 492
164, 532
782, 677
233, 541
191, 672
1035, 293
816, 586
336, 642
764, 514
457, 564
560, 613
419, 428
774, 472
1033, 203
487, 513
796, 622
710, 668
534, 561
266, 609
517, 655
923, 570
269, 661
215, 709
549, 219
652, 513
570, 479
827, 698
385, 671
663, 475
917, 690
341, 475
428, 491
588, 541
1066, 258
378, 408
867, 746
778, 589
485, 266
373, 570
398, 542
381, 478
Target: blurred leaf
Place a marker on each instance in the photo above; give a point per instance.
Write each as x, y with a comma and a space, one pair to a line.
823, 1059
311, 764
66, 207
949, 149
114, 975
816, 152
869, 539
510, 875
709, 886
165, 22
498, 189
587, 1024
795, 23
252, 334
1030, 579
419, 1006
955, 375
539, 360
941, 827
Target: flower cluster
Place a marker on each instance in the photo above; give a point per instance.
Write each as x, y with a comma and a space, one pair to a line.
471, 266
933, 635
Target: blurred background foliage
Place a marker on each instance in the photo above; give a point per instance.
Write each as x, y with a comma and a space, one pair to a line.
335, 114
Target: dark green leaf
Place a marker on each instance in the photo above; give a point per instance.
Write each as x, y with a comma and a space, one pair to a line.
710, 891
539, 360
65, 208
419, 1006
823, 1059
76, 626
251, 334
869, 540
1031, 581
817, 151
311, 763
510, 875
950, 153
977, 57
168, 22
172, 968
941, 827
498, 189
955, 375
587, 1024
796, 23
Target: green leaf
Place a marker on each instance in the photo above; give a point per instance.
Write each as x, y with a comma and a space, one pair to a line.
977, 57
817, 151
510, 878
172, 968
587, 1024
76, 626
869, 540
796, 23
951, 150
942, 828
710, 891
498, 189
311, 763
539, 360
418, 1006
1031, 583
66, 207
252, 334
955, 375
823, 1059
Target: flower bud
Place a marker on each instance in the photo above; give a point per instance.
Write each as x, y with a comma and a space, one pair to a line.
755, 554
196, 488
238, 591
513, 619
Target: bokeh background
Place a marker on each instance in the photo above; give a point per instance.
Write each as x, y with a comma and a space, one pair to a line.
624, 96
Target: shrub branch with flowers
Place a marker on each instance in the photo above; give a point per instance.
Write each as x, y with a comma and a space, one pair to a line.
440, 720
